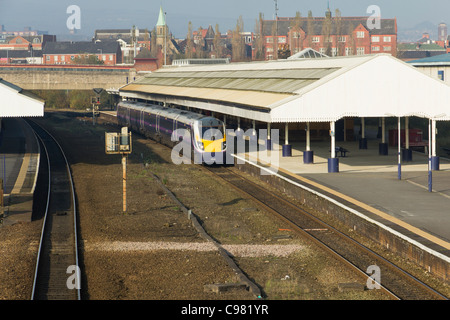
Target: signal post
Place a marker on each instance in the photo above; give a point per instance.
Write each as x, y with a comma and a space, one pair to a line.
120, 143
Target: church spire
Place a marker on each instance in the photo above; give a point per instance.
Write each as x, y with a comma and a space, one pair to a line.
161, 19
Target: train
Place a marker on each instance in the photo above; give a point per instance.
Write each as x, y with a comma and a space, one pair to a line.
195, 137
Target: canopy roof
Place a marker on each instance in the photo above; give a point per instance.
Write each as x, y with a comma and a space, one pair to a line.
305, 90
16, 102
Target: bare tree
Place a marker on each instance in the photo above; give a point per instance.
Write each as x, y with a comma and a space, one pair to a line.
310, 28
259, 38
340, 45
189, 51
217, 43
237, 41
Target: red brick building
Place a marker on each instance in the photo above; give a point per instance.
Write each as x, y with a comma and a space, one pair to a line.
106, 53
145, 61
25, 42
333, 36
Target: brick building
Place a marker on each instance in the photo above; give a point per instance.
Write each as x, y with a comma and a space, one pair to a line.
107, 53
333, 36
24, 42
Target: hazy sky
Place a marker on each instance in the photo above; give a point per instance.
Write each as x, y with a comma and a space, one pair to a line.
50, 15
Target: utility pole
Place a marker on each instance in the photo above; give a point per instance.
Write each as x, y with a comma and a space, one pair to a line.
165, 38
275, 42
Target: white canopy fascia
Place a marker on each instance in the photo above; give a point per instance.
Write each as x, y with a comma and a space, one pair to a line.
379, 87
15, 103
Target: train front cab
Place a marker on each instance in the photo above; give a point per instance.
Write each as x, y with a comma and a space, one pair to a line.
210, 141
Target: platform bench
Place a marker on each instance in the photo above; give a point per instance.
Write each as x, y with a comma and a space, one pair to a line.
342, 151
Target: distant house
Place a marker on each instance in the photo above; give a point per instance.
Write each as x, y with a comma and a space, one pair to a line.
24, 42
20, 56
130, 40
107, 53
419, 50
145, 61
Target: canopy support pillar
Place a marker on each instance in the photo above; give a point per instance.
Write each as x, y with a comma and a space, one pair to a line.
407, 152
383, 146
308, 155
287, 148
363, 140
434, 158
333, 162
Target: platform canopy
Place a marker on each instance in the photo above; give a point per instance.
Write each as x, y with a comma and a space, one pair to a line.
305, 90
16, 102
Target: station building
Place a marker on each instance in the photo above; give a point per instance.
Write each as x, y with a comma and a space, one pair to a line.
306, 99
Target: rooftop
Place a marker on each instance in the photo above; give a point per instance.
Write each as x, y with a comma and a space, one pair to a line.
303, 90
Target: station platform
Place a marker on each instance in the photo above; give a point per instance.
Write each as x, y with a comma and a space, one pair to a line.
19, 158
367, 185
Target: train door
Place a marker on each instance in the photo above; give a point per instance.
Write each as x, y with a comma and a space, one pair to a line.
141, 121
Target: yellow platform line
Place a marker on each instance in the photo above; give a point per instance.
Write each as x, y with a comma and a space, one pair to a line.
377, 212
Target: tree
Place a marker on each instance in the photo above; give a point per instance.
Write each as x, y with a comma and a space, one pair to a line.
310, 28
340, 45
296, 37
189, 51
217, 43
237, 41
259, 38
84, 58
326, 33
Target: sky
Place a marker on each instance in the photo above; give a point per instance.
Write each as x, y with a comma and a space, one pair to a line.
52, 16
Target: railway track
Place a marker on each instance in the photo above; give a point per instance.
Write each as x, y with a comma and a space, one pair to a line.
397, 283
56, 275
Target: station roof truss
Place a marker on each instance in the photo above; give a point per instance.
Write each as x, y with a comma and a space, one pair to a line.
16, 102
303, 90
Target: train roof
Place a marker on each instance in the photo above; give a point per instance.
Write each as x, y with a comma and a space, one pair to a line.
180, 115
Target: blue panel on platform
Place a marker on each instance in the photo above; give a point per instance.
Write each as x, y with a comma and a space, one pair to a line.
308, 156
333, 165
287, 150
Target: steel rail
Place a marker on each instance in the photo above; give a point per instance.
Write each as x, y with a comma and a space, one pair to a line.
45, 219
308, 234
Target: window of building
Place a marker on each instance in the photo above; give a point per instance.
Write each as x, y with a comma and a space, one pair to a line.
282, 40
315, 39
387, 39
63, 58
441, 75
342, 39
55, 58
47, 58
269, 40
348, 51
387, 48
375, 48
360, 34
360, 51
111, 57
376, 39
